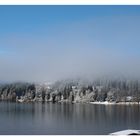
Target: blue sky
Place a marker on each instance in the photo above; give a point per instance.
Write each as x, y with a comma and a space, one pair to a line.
19, 18
47, 43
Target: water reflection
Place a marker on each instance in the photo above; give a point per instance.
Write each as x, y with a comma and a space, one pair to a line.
48, 118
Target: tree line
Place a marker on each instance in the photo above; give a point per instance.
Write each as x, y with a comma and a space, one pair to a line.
73, 91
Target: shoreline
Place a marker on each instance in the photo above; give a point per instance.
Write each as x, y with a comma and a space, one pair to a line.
114, 103
75, 102
94, 103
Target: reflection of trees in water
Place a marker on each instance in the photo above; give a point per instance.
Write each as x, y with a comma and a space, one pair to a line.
14, 112
123, 115
95, 114
73, 117
68, 111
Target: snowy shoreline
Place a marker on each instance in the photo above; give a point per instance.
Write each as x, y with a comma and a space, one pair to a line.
96, 103
114, 103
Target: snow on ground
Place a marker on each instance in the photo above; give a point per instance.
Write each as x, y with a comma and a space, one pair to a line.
127, 132
114, 103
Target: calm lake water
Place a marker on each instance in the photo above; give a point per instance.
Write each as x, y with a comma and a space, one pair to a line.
66, 119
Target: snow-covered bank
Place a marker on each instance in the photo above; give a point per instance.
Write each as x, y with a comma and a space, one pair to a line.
114, 103
126, 132
104, 103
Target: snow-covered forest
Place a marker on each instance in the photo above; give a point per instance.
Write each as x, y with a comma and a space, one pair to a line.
73, 91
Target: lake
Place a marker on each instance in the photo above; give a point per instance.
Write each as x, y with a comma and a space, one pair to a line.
66, 119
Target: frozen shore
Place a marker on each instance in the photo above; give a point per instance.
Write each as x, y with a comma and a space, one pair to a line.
114, 103
96, 103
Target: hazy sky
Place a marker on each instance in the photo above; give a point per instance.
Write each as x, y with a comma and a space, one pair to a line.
47, 43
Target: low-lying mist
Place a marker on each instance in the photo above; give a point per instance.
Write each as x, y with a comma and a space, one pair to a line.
88, 49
